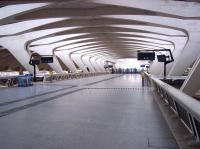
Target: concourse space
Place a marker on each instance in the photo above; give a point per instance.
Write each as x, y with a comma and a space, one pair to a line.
115, 113
99, 74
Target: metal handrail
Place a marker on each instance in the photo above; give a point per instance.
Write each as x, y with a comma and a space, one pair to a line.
190, 104
186, 107
69, 76
8, 81
8, 77
11, 80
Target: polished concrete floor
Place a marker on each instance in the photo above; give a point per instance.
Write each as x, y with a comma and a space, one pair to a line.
103, 112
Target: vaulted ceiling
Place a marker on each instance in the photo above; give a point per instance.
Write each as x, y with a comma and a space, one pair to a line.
108, 29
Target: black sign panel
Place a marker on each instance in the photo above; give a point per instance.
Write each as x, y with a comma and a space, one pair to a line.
147, 66
142, 65
146, 56
108, 66
161, 58
35, 62
47, 59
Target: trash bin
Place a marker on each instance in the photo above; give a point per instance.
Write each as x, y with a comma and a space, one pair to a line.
25, 80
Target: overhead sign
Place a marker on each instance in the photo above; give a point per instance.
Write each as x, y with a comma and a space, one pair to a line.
161, 58
47, 59
146, 56
108, 66
35, 62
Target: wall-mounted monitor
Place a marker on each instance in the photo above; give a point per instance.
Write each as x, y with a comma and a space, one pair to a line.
35, 62
146, 56
47, 59
161, 58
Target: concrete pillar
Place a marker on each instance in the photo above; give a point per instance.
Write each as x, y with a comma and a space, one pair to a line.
94, 64
180, 44
15, 46
77, 59
102, 64
86, 61
66, 59
187, 56
101, 67
191, 85
157, 68
46, 50
56, 65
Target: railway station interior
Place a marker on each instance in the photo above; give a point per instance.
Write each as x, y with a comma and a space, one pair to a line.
100, 74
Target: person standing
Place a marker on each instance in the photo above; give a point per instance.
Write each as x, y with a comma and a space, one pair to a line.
51, 76
142, 76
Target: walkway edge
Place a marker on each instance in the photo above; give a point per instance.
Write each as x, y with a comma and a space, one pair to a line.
176, 126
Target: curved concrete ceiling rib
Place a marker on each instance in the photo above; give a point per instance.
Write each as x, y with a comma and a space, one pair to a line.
104, 35
94, 41
24, 27
91, 61
75, 42
111, 8
125, 42
128, 41
17, 45
107, 44
55, 39
190, 49
185, 9
104, 20
11, 11
117, 49
151, 28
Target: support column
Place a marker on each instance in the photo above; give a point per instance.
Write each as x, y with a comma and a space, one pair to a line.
86, 61
98, 61
66, 59
77, 59
94, 64
157, 69
46, 50
15, 46
56, 65
102, 62
191, 85
179, 47
187, 56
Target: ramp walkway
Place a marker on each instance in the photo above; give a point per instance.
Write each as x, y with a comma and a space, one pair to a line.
102, 112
